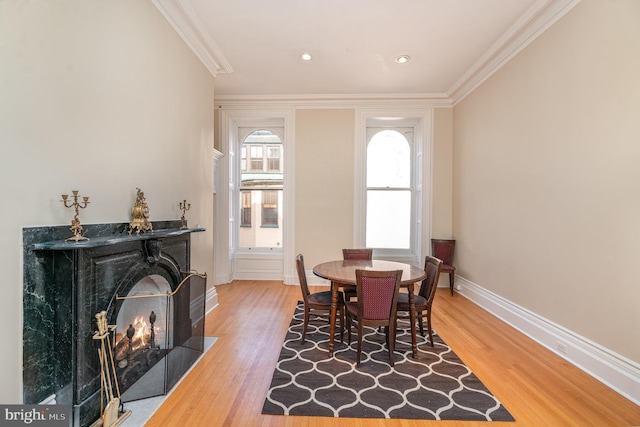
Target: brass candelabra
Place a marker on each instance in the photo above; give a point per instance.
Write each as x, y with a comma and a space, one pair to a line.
184, 207
76, 227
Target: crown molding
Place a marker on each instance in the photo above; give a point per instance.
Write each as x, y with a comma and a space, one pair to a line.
529, 27
185, 21
335, 101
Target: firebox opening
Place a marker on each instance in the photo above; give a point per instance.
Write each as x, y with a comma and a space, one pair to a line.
143, 335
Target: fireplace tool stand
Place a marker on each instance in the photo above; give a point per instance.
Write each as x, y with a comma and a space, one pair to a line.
112, 414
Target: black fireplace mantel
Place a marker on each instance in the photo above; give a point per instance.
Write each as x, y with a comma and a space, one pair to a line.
62, 245
67, 283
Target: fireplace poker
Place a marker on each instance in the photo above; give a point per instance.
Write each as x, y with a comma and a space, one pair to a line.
110, 413
105, 365
103, 383
113, 369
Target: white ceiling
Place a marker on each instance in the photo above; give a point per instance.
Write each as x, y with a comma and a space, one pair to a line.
253, 46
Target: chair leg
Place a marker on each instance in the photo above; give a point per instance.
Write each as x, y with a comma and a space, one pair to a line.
304, 324
420, 325
391, 342
451, 279
341, 324
359, 350
348, 328
429, 326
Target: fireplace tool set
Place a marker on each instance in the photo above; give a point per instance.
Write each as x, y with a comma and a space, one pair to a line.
111, 414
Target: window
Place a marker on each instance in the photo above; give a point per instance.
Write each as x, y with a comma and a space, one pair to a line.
260, 193
243, 159
273, 159
245, 213
255, 252
388, 186
270, 208
389, 213
257, 158
389, 193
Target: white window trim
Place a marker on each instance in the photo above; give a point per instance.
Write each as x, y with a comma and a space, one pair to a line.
422, 121
229, 121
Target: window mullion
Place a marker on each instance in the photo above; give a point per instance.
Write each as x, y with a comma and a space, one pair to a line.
390, 188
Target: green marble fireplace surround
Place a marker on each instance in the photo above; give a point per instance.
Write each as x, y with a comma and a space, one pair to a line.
67, 283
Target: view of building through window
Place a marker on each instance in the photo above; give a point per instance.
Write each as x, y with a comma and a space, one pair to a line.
389, 191
261, 179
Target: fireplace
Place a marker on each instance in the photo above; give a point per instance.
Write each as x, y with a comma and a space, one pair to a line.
145, 286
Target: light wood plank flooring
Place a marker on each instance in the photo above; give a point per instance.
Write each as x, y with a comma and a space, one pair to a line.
228, 386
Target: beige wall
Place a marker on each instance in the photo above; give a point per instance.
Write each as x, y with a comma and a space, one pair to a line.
442, 172
100, 97
547, 176
324, 199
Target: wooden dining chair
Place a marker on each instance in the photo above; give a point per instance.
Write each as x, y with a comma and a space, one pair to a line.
363, 254
424, 299
443, 250
319, 302
377, 293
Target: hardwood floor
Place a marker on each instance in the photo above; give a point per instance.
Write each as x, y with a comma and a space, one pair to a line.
228, 386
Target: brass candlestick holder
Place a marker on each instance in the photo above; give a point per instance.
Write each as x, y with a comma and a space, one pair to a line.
76, 227
184, 207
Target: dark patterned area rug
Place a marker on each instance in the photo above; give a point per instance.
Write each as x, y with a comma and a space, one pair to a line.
434, 386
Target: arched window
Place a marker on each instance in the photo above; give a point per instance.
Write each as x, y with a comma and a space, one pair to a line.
389, 192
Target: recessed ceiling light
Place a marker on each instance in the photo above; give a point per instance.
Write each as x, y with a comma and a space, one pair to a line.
306, 56
402, 59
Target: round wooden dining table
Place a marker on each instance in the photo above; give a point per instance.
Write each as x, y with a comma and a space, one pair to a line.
342, 274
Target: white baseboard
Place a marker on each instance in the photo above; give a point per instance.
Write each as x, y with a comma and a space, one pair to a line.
312, 279
221, 279
614, 370
212, 300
